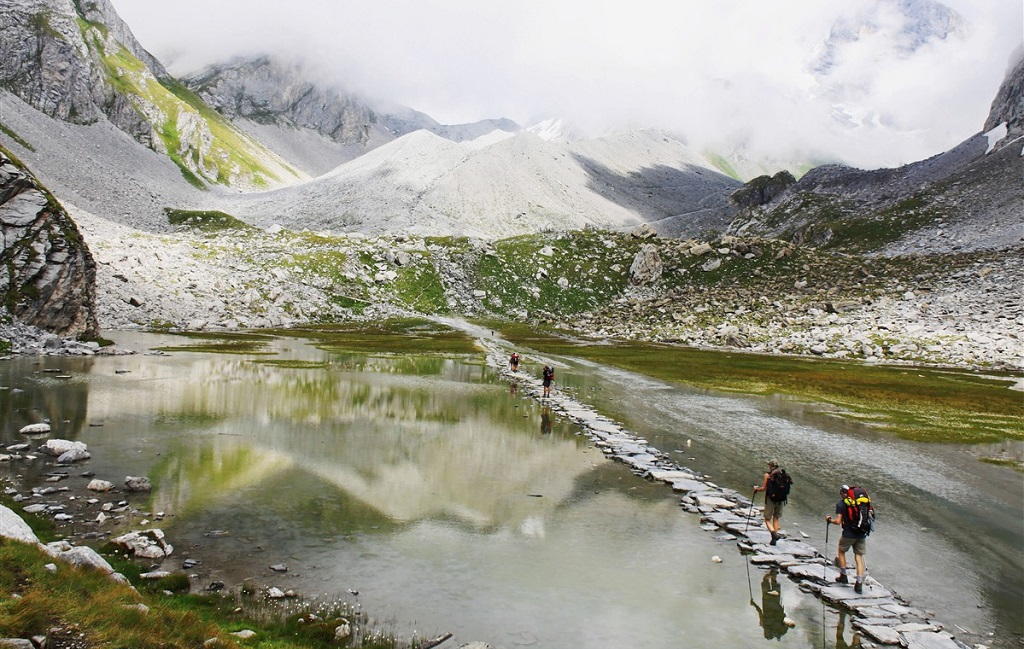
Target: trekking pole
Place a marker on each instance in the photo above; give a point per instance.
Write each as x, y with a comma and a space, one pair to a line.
749, 513
824, 570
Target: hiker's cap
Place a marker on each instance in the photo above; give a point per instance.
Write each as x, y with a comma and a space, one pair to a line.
843, 489
773, 463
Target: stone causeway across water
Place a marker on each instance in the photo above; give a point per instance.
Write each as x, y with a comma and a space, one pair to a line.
878, 613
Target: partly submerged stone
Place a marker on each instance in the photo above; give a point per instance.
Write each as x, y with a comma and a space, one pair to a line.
35, 429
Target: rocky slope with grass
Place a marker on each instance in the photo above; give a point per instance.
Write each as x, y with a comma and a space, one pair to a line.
750, 294
78, 62
968, 198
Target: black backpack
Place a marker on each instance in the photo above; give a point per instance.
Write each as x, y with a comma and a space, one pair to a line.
858, 513
779, 484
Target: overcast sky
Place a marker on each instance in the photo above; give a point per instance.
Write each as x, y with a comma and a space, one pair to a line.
717, 71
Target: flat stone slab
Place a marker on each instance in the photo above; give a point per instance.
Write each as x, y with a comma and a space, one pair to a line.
688, 485
813, 571
877, 621
914, 627
633, 449
715, 501
867, 612
881, 634
772, 558
792, 548
845, 593
723, 519
668, 475
644, 462
925, 640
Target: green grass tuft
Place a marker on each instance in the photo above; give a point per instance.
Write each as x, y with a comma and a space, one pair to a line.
205, 221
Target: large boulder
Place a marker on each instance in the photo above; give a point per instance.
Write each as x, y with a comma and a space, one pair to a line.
137, 483
58, 447
148, 544
79, 555
647, 266
762, 190
13, 527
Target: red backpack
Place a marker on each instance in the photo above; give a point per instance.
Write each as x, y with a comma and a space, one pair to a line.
858, 513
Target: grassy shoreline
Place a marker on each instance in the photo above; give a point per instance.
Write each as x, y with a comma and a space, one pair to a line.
83, 607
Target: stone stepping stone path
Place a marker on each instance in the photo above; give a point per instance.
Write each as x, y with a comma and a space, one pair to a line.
878, 613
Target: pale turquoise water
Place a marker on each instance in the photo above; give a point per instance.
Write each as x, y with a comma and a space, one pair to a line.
430, 488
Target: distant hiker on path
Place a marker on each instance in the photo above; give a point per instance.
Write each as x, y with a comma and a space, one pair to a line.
857, 516
548, 377
776, 486
513, 363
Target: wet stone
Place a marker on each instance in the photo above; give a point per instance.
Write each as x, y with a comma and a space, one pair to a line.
881, 634
913, 627
667, 475
772, 558
809, 571
715, 501
688, 485
877, 621
925, 640
846, 594
791, 548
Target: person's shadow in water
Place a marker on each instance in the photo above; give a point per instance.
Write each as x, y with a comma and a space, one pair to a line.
545, 421
771, 615
840, 640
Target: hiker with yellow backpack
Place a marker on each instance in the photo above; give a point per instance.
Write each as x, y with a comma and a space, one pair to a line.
857, 516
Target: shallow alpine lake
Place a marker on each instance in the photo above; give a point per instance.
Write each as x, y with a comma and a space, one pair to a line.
450, 501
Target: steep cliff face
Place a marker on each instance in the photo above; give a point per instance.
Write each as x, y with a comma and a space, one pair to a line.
1008, 106
268, 92
46, 60
314, 124
77, 61
47, 274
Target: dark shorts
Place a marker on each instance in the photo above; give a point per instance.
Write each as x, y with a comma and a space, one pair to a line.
772, 509
547, 383
860, 546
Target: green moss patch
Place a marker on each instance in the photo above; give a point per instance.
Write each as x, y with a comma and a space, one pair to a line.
205, 221
14, 136
222, 343
913, 403
398, 336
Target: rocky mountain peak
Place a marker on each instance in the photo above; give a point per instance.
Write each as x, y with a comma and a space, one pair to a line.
1008, 105
268, 91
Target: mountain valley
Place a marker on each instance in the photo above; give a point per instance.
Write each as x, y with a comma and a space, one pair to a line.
251, 196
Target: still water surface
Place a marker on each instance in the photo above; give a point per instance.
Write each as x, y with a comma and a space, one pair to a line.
440, 495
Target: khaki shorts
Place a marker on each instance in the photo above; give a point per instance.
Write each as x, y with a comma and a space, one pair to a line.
860, 546
772, 509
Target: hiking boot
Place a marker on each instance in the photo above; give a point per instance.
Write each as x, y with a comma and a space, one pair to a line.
842, 579
858, 587
775, 539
